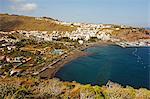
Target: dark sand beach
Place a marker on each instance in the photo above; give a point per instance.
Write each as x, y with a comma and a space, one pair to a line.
79, 52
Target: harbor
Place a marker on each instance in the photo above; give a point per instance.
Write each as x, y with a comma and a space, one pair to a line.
140, 43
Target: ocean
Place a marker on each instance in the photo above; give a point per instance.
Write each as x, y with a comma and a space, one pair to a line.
126, 66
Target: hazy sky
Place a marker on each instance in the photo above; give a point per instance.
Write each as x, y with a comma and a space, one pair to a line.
131, 12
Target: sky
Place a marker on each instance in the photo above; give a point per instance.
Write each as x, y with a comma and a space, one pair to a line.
128, 12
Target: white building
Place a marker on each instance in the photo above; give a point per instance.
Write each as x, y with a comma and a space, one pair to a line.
103, 36
80, 41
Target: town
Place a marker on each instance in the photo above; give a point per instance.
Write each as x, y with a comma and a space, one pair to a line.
31, 52
33, 49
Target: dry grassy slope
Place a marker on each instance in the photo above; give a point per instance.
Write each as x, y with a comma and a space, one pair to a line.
14, 22
130, 35
23, 88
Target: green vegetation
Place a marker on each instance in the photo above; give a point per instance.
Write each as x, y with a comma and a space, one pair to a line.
29, 55
22, 88
93, 39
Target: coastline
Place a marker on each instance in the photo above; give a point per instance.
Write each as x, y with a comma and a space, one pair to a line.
76, 53
50, 70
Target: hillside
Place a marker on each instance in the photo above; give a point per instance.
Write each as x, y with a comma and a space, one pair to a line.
25, 56
22, 88
16, 22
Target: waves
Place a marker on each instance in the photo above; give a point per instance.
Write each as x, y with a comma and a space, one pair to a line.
139, 58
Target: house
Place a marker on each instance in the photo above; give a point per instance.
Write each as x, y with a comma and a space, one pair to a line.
24, 60
11, 47
3, 45
103, 36
87, 37
47, 38
15, 71
17, 59
117, 28
80, 41
8, 59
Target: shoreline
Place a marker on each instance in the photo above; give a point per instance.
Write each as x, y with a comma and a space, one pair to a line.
50, 72
76, 53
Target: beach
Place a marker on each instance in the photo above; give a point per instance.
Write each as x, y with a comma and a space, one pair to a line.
76, 53
126, 66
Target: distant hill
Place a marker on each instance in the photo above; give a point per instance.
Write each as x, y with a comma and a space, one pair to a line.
17, 22
148, 28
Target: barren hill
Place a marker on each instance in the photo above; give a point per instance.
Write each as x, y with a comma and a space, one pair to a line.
17, 22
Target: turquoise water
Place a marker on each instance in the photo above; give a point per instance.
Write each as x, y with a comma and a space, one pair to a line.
126, 66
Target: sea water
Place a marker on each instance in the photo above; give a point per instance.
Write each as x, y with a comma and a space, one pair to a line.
126, 66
